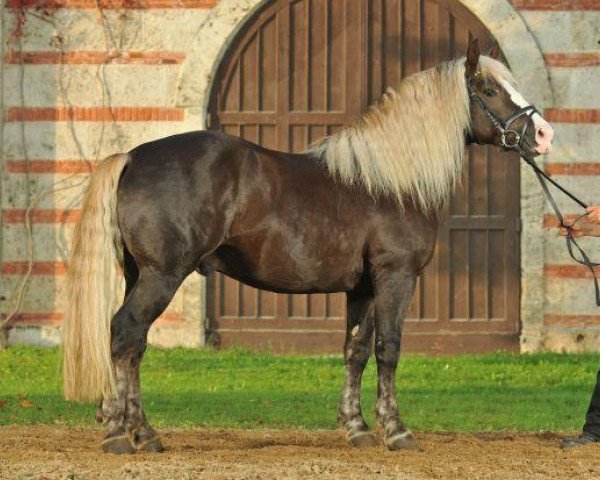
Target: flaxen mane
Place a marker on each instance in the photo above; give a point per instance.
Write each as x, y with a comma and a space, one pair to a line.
412, 143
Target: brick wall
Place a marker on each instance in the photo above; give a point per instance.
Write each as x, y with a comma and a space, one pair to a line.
568, 33
81, 80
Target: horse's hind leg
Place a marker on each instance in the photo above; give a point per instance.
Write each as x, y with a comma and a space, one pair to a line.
356, 354
393, 293
142, 434
128, 430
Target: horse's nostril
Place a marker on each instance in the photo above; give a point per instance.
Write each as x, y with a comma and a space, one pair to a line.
541, 133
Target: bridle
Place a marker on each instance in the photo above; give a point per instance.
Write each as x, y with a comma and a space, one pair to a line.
512, 140
509, 138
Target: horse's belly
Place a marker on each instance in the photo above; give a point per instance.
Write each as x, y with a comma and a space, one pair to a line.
280, 271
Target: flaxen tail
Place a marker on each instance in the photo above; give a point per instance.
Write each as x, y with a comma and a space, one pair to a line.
93, 286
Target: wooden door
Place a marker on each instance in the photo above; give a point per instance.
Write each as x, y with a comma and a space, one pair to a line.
301, 69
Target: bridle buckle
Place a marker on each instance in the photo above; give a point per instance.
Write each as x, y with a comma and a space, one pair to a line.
510, 139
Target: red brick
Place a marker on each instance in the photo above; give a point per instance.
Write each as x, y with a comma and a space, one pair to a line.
568, 271
41, 216
574, 59
48, 166
92, 114
572, 115
583, 169
571, 321
556, 4
111, 4
39, 268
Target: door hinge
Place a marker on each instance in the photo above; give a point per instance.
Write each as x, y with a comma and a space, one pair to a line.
518, 224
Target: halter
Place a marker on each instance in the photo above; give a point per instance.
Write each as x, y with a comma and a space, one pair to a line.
512, 140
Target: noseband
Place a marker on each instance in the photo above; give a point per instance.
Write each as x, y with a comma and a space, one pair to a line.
512, 140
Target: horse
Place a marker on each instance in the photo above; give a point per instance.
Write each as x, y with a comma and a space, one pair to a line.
357, 212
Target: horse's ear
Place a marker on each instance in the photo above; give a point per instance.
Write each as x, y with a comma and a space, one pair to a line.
495, 51
473, 55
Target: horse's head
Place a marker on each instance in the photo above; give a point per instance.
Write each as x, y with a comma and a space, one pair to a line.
499, 114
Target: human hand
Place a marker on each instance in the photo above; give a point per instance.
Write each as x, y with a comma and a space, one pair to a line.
593, 213
584, 228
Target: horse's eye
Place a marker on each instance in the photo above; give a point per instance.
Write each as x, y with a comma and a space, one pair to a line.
490, 92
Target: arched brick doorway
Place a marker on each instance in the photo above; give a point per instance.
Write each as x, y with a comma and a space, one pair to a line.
301, 69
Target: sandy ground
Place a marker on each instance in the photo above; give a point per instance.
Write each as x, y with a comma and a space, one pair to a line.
43, 452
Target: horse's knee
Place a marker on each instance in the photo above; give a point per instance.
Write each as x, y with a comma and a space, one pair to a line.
357, 353
387, 351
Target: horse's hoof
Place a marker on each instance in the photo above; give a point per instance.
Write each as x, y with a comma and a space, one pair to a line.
402, 441
361, 439
154, 445
118, 445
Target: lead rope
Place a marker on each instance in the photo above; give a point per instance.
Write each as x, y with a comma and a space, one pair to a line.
570, 238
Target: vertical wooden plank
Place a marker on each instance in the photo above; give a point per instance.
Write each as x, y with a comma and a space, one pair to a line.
498, 277
429, 35
498, 165
459, 277
284, 77
375, 60
392, 41
354, 58
231, 96
513, 248
336, 306
318, 56
307, 54
478, 180
444, 35
298, 137
230, 296
413, 311
478, 274
411, 44
249, 72
298, 306
249, 132
268, 66
430, 285
318, 306
298, 72
338, 56
444, 295
268, 136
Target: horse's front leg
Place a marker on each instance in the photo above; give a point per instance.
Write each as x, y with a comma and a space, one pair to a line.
393, 293
356, 354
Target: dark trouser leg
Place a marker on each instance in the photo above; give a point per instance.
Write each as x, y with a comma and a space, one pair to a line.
127, 428
356, 354
393, 293
592, 417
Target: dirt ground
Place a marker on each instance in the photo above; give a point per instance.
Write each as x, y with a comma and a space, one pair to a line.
43, 452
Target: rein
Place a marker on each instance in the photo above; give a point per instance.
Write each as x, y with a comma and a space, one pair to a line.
512, 140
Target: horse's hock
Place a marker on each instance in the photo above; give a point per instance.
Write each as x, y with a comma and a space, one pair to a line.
284, 73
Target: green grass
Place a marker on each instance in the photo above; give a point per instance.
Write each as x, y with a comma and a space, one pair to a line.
234, 388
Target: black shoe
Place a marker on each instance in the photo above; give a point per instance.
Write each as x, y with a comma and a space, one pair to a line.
579, 441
